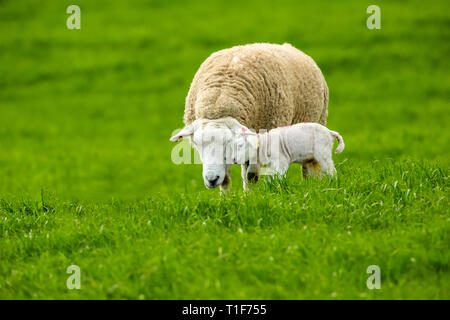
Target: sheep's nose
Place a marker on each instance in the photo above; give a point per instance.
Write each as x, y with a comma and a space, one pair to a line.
213, 180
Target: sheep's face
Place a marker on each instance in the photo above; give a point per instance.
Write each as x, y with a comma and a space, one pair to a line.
211, 143
211, 138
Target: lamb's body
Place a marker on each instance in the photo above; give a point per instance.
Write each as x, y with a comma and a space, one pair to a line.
299, 143
261, 85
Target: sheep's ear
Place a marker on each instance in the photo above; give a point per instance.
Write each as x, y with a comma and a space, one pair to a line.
184, 133
248, 132
233, 124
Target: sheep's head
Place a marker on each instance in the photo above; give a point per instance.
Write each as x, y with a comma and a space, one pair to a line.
213, 140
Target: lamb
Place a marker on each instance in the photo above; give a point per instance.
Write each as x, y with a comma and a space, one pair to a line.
259, 86
278, 148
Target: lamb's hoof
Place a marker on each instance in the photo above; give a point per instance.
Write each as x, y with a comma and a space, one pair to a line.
252, 177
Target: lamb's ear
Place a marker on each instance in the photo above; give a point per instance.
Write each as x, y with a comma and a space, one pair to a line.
184, 133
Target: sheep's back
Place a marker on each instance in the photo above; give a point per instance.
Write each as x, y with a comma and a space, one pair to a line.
261, 85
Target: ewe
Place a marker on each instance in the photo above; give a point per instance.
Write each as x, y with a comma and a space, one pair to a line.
260, 86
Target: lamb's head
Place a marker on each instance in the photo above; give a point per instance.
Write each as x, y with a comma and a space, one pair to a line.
212, 138
244, 147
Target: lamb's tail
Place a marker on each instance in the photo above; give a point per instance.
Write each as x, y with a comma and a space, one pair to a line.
341, 144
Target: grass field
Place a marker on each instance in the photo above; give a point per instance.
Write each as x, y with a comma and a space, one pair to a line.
86, 176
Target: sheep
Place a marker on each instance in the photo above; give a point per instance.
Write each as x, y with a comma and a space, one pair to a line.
212, 139
278, 148
260, 86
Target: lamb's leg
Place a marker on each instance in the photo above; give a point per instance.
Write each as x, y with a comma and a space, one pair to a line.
244, 176
330, 169
326, 164
225, 186
310, 168
281, 166
253, 172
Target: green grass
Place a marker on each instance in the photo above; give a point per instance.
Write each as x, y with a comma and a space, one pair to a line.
86, 176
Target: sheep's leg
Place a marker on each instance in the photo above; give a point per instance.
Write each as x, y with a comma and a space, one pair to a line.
253, 172
326, 164
244, 176
250, 174
331, 169
304, 170
281, 168
225, 186
310, 168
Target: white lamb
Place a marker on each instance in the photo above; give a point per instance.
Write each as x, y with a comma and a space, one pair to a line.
299, 143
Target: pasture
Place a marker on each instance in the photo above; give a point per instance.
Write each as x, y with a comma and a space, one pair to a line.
86, 176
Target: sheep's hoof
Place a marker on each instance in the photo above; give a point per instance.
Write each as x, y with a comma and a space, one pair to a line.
252, 177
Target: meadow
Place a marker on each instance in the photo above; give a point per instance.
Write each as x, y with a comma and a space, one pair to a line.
86, 176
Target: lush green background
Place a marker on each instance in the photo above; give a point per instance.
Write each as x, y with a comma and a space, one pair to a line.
86, 176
